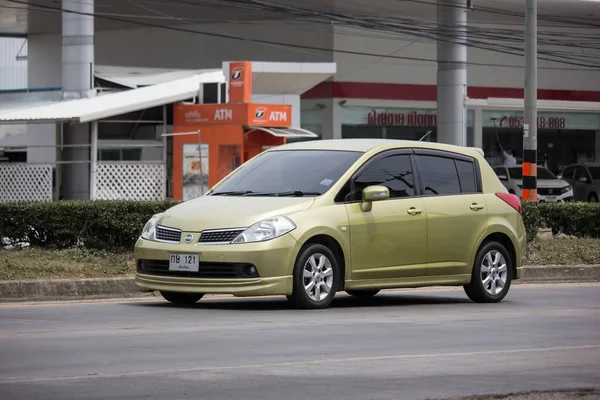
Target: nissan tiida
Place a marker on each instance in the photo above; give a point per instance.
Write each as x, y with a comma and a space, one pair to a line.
307, 220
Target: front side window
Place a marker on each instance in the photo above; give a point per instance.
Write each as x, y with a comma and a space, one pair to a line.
569, 173
439, 174
394, 172
289, 173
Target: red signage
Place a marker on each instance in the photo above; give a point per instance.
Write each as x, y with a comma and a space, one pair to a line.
412, 118
542, 122
272, 115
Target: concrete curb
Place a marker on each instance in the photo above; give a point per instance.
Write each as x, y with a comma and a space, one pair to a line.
560, 273
69, 289
105, 288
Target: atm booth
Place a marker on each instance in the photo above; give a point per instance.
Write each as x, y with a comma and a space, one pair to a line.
211, 140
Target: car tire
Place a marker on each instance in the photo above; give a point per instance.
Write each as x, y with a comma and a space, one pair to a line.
182, 298
363, 294
316, 265
493, 267
593, 198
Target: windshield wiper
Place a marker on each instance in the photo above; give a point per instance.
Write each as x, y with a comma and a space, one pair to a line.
298, 193
232, 193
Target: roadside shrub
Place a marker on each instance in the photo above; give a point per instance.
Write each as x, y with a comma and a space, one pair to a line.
531, 219
105, 225
576, 219
114, 226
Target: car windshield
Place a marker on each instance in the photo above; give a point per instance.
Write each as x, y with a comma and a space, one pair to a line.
595, 172
542, 173
289, 173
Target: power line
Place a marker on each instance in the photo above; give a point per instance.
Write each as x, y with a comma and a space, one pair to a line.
432, 33
290, 45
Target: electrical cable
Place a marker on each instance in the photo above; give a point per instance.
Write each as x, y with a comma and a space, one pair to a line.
285, 45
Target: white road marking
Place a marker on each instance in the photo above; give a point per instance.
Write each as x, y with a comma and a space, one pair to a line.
299, 363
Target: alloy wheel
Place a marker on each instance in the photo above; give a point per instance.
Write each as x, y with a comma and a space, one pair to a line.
318, 277
494, 272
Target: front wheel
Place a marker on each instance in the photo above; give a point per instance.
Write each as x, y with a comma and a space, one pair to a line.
316, 277
593, 198
181, 298
492, 274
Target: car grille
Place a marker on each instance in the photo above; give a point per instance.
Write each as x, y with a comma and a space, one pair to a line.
206, 270
224, 236
168, 234
549, 191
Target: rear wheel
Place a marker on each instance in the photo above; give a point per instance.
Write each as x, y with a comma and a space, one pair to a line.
593, 198
492, 274
316, 277
364, 294
182, 298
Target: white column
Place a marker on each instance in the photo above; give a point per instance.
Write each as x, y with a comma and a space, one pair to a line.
94, 160
77, 82
452, 72
478, 127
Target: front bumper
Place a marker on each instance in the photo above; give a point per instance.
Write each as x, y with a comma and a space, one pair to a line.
273, 259
559, 198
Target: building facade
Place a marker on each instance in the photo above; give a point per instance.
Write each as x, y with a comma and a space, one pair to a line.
387, 77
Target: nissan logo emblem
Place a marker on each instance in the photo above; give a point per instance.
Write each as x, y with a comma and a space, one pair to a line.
188, 238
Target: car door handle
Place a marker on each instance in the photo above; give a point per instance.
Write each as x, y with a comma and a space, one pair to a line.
476, 207
414, 211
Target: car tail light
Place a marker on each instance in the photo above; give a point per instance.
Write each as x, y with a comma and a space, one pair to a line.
512, 200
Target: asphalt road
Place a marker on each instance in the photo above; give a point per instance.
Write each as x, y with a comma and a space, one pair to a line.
401, 345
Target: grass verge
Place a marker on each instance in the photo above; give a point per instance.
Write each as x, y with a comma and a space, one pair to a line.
76, 263
563, 251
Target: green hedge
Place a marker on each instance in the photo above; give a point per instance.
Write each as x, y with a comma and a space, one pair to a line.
575, 219
532, 219
107, 225
116, 225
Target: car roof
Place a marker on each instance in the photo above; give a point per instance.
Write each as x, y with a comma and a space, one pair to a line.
366, 145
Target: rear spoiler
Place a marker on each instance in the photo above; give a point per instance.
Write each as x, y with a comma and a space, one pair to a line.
479, 150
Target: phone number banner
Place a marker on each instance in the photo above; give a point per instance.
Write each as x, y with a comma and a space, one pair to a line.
545, 120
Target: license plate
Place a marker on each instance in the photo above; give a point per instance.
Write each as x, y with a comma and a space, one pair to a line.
184, 262
551, 198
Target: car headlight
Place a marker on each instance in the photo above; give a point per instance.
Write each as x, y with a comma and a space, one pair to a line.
565, 189
149, 231
266, 229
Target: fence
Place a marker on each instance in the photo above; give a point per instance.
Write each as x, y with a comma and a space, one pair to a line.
25, 182
130, 181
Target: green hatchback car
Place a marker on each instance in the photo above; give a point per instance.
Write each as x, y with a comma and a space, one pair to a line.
307, 220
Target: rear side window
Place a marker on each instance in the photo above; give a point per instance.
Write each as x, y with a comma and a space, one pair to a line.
447, 176
466, 176
439, 175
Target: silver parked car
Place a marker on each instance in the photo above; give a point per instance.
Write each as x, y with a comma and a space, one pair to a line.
585, 179
550, 188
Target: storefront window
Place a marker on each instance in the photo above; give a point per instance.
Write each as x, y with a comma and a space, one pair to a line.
311, 120
395, 123
563, 138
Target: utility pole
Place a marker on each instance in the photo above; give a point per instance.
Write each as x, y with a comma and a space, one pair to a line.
530, 122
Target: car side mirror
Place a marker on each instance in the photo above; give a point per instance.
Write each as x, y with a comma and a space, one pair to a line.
503, 177
583, 179
371, 194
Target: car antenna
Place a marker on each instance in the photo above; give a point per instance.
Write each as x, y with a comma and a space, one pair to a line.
425, 135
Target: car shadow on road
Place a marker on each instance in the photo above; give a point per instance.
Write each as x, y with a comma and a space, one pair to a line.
341, 301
